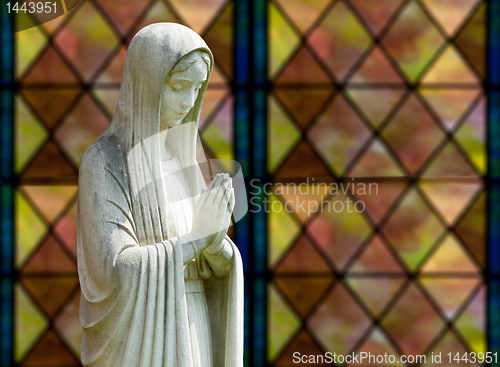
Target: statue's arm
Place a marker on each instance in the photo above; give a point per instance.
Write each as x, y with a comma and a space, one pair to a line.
192, 247
107, 222
219, 257
107, 232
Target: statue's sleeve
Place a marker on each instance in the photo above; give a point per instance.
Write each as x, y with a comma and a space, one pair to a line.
105, 222
128, 307
220, 258
225, 307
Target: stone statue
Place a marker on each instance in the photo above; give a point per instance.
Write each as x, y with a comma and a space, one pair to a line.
162, 283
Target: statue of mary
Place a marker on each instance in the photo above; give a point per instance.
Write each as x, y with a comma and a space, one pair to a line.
162, 283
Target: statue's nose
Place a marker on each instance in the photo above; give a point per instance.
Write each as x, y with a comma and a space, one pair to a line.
188, 102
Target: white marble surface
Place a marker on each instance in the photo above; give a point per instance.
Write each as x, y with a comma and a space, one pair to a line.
162, 283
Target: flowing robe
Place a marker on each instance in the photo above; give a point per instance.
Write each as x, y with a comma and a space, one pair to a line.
198, 269
133, 307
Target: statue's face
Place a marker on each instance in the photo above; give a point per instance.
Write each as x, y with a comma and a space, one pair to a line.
180, 91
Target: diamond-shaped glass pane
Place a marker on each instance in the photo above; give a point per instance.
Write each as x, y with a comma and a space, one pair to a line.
471, 324
29, 226
283, 323
406, 115
412, 229
68, 324
339, 133
413, 134
412, 40
87, 39
283, 229
30, 43
339, 40
282, 39
339, 322
29, 323
30, 135
340, 229
81, 128
412, 322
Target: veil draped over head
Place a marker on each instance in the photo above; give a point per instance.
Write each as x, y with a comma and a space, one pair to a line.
153, 52
133, 304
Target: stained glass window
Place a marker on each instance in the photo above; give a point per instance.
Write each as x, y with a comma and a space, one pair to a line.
388, 94
69, 72
399, 96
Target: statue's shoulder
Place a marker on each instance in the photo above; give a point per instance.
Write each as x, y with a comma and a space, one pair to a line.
104, 154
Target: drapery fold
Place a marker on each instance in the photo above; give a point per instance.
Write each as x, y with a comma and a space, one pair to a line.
133, 307
133, 304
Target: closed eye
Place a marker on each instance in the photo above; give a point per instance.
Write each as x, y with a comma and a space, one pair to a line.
176, 87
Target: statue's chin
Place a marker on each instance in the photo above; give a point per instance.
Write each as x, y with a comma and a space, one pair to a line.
170, 124
175, 123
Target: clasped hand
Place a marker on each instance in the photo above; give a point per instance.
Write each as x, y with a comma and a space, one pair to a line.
213, 210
